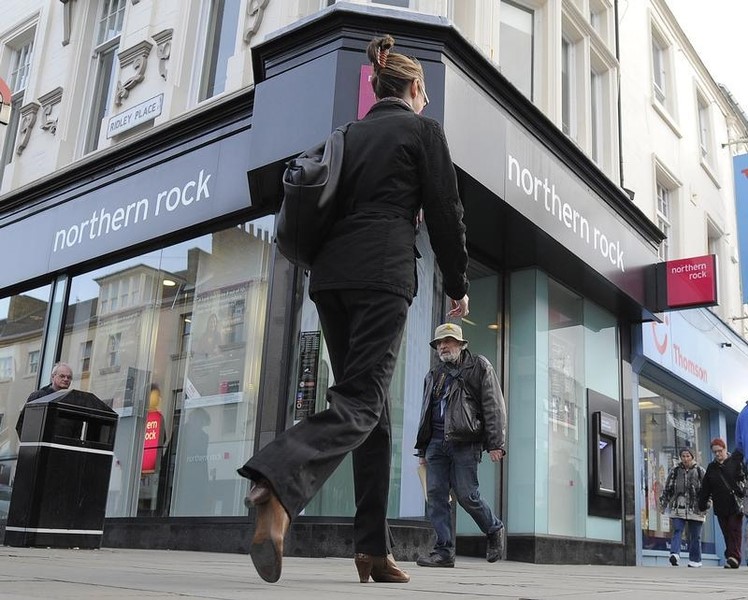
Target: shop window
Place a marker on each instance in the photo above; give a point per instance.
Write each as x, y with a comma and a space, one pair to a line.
220, 45
32, 363
667, 424
22, 51
186, 403
106, 46
516, 45
21, 324
561, 347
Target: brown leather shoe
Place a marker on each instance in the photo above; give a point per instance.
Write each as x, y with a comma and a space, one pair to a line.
270, 528
382, 569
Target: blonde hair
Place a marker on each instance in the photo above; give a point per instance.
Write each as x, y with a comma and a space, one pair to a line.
392, 71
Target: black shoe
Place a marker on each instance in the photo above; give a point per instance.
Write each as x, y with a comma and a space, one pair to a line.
733, 562
435, 560
494, 545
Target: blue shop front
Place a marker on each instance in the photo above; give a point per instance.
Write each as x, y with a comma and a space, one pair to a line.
689, 389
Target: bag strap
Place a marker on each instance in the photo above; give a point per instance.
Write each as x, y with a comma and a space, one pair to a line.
727, 485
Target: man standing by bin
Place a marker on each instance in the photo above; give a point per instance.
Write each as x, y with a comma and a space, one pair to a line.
62, 376
463, 413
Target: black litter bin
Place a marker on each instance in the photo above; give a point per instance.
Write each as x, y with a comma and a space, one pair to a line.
62, 477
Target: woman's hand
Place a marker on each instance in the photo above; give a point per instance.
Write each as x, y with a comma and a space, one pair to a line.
459, 307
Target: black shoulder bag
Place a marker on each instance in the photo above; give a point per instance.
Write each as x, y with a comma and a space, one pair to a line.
309, 207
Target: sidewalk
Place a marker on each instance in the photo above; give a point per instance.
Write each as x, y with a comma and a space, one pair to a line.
105, 574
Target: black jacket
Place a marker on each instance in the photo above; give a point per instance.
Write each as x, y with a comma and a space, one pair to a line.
713, 485
40, 393
395, 162
475, 410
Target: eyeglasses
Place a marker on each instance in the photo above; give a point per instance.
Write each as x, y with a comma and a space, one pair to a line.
425, 95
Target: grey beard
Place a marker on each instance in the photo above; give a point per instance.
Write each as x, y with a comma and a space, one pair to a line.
452, 357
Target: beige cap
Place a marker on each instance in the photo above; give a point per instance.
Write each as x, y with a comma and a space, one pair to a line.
446, 330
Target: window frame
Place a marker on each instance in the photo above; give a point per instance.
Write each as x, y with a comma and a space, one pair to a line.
17, 44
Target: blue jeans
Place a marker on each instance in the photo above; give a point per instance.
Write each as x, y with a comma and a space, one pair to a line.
454, 466
694, 538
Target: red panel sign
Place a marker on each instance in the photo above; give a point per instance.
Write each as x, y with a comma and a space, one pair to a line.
151, 444
691, 281
366, 97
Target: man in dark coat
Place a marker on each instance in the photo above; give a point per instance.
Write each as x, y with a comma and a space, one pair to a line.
463, 413
62, 376
724, 483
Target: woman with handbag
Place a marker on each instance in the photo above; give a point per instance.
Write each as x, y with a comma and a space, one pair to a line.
680, 501
362, 281
724, 484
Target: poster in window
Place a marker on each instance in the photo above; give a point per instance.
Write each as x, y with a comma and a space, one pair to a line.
217, 353
306, 387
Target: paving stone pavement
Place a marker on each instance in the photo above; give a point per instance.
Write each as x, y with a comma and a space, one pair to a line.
108, 574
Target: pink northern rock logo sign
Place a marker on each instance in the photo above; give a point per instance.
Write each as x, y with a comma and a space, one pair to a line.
691, 281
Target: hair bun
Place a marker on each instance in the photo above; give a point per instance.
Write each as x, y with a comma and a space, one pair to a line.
378, 50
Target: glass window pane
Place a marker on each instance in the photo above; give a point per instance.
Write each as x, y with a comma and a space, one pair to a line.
186, 403
667, 424
516, 46
220, 45
21, 322
101, 97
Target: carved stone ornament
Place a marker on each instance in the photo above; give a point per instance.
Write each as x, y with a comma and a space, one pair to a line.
137, 56
255, 12
28, 118
48, 102
67, 19
163, 49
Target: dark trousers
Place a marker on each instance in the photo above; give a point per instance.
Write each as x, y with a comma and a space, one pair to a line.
363, 331
732, 530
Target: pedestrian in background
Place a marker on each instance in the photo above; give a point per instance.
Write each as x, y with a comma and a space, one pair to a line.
724, 484
61, 378
463, 413
680, 501
362, 282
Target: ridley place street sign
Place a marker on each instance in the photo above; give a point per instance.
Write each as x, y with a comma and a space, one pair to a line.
137, 115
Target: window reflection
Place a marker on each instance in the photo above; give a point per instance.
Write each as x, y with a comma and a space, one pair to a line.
21, 323
667, 424
172, 341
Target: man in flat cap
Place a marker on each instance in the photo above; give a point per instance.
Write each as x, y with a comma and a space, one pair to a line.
463, 413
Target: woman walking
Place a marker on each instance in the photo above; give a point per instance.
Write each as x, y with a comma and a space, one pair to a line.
724, 483
680, 501
362, 282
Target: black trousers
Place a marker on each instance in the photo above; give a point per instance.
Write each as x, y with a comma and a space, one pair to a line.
363, 331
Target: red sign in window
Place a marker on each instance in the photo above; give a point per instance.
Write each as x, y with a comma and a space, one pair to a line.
692, 281
366, 97
152, 442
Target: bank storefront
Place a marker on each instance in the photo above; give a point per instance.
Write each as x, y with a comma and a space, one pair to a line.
158, 281
690, 390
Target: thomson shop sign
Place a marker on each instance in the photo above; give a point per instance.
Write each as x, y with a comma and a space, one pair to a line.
176, 193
